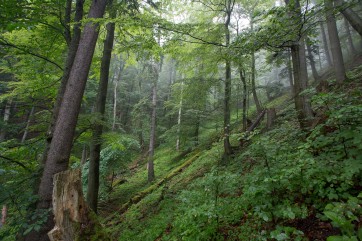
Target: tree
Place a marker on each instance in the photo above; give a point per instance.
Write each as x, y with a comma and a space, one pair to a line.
302, 104
338, 62
350, 15
61, 144
93, 175
228, 9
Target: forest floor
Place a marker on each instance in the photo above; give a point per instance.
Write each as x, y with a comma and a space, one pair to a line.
284, 184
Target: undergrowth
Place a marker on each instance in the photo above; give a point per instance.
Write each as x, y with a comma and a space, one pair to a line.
281, 178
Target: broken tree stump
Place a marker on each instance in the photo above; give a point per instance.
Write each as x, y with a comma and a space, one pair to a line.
73, 219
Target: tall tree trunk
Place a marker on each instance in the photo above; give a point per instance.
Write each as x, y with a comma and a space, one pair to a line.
227, 87
155, 68
93, 174
197, 130
118, 78
243, 80
84, 158
61, 144
4, 213
338, 62
302, 103
253, 87
179, 119
325, 45
351, 47
114, 105
290, 73
28, 121
350, 15
3, 131
72, 50
312, 62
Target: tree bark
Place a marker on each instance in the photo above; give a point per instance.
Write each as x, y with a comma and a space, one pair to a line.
227, 88
155, 69
351, 47
118, 78
270, 117
72, 50
312, 61
179, 119
290, 73
6, 119
93, 174
325, 45
72, 217
253, 87
350, 15
26, 130
243, 80
338, 62
300, 74
4, 213
61, 144
83, 160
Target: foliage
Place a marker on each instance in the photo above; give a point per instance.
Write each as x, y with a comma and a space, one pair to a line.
343, 216
114, 158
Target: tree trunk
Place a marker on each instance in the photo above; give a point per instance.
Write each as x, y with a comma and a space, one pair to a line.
351, 48
26, 130
197, 130
118, 78
3, 131
114, 106
290, 73
350, 15
4, 213
312, 62
72, 50
72, 217
155, 69
253, 87
270, 117
300, 74
93, 174
179, 119
227, 87
338, 62
84, 158
325, 45
61, 144
243, 80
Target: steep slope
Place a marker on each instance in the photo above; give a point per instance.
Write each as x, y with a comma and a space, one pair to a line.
283, 184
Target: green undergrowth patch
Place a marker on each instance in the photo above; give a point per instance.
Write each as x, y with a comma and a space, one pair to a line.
280, 179
137, 180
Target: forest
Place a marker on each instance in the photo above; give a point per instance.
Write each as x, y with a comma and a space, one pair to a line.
180, 120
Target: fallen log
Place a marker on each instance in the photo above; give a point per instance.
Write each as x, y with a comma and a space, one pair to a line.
252, 127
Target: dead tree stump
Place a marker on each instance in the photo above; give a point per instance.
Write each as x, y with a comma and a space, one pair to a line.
73, 218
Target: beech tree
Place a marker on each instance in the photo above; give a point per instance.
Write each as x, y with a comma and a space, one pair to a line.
338, 62
61, 144
95, 149
302, 103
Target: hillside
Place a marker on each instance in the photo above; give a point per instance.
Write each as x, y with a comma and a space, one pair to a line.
282, 184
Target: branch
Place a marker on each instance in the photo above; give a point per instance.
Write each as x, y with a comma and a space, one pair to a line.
16, 162
5, 43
